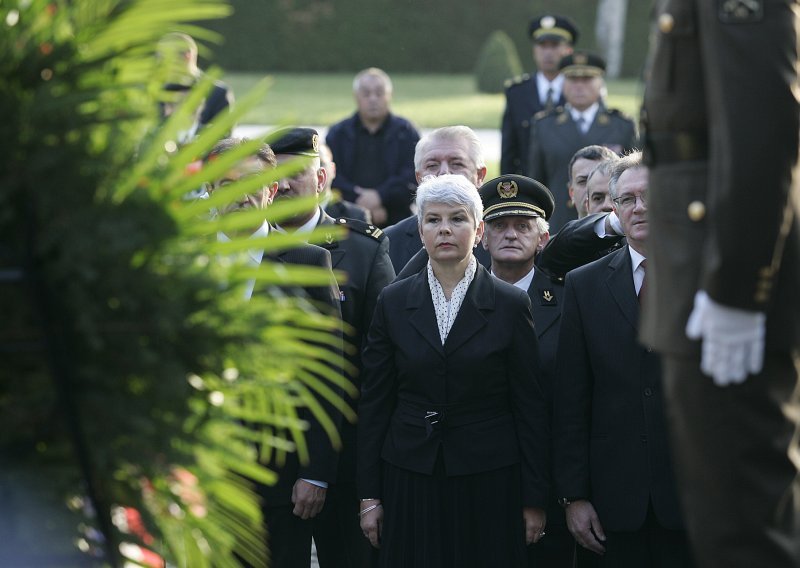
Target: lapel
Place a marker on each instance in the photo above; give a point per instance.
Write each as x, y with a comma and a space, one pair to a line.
414, 241
544, 302
470, 318
620, 284
421, 315
337, 252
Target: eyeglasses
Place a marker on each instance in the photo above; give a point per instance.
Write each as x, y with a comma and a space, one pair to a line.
629, 201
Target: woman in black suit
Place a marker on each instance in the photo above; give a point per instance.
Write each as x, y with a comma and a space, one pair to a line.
452, 435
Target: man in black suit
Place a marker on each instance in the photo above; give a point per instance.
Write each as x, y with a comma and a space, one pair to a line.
552, 38
374, 150
724, 309
297, 496
584, 120
613, 471
363, 256
516, 209
447, 150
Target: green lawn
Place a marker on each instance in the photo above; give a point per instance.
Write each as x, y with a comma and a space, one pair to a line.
429, 101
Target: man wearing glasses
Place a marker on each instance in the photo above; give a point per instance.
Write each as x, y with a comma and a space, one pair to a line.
613, 472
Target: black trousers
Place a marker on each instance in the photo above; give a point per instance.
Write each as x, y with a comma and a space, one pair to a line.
735, 450
652, 546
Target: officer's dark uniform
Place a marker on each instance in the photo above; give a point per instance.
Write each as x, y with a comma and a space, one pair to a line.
522, 96
521, 196
721, 121
555, 138
363, 256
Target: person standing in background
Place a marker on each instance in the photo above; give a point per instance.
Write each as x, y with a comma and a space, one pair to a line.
374, 152
552, 38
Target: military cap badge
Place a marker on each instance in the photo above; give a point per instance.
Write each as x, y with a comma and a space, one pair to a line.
507, 189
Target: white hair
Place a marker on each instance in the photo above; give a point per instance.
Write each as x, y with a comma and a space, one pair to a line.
450, 189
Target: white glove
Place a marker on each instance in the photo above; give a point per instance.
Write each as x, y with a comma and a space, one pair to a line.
733, 339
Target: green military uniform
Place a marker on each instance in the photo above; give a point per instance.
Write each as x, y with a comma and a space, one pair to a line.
722, 118
555, 138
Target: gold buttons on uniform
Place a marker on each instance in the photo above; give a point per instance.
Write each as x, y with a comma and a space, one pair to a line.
696, 210
665, 23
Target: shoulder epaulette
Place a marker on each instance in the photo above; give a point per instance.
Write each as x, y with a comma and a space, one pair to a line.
547, 112
517, 80
363, 228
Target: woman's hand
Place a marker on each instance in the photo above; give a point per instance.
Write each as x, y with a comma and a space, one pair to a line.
372, 521
535, 520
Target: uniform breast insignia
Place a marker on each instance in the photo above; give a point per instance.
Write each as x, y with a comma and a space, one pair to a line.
740, 11
365, 229
547, 296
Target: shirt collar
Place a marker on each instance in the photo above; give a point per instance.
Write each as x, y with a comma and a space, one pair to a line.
588, 114
525, 282
542, 84
306, 227
636, 259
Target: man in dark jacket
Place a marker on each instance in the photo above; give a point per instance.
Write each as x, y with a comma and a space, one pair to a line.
363, 257
374, 152
552, 38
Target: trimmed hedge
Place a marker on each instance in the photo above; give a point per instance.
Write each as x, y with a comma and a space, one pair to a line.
497, 61
414, 36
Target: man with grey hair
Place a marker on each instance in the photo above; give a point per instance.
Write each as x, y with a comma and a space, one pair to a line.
374, 150
613, 471
446, 150
516, 210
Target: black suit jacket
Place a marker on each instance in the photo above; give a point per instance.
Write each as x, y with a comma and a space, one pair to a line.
483, 381
363, 255
522, 103
406, 250
546, 294
555, 138
576, 244
323, 462
400, 140
708, 149
609, 428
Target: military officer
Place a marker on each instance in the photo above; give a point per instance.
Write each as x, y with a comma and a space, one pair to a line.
363, 256
552, 37
516, 209
584, 120
721, 119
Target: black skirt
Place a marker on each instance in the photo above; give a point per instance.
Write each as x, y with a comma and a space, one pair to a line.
436, 521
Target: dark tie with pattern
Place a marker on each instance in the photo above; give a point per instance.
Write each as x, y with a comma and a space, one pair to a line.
643, 287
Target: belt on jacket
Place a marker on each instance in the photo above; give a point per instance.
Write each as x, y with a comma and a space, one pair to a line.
670, 147
434, 416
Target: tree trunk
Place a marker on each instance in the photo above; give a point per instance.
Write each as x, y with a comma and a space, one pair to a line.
610, 33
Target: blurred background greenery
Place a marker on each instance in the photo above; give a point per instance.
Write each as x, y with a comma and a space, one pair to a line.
429, 101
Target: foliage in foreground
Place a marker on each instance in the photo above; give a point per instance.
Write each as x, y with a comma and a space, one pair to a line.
132, 361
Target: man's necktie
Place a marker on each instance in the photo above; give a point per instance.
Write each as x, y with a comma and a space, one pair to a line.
549, 103
643, 287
